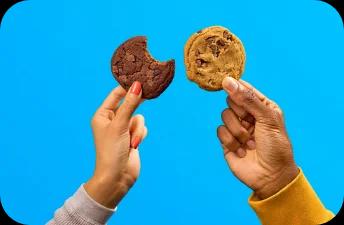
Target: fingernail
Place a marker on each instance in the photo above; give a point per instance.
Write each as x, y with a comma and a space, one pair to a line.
135, 142
230, 84
136, 88
251, 144
241, 152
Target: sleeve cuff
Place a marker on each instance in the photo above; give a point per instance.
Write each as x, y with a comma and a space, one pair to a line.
82, 205
297, 203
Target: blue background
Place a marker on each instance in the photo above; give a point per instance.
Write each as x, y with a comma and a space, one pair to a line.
55, 71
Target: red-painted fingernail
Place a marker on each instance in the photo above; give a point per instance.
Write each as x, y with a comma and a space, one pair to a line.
136, 88
135, 142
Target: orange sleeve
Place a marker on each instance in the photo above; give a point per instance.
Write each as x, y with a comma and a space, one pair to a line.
295, 204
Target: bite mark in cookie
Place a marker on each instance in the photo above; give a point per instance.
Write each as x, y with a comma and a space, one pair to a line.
132, 62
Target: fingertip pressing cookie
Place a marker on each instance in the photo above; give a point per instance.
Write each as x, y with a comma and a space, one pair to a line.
212, 54
132, 62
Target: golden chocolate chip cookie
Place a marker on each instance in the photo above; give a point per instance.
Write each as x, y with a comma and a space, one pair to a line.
212, 54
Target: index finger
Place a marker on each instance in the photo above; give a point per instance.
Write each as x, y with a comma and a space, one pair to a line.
113, 99
244, 97
259, 94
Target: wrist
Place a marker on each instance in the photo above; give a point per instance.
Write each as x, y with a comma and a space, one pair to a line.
277, 182
106, 192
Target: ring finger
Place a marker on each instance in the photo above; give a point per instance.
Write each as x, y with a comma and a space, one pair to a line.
234, 126
228, 141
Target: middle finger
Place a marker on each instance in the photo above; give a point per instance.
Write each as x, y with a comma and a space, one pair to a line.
234, 125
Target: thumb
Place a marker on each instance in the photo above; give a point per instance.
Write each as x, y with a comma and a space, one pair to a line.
246, 97
131, 102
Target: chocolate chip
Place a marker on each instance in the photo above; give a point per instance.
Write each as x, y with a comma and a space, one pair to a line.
227, 35
211, 81
199, 74
210, 39
200, 62
197, 52
220, 42
215, 50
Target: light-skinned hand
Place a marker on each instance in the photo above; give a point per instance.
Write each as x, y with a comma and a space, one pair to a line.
255, 142
117, 134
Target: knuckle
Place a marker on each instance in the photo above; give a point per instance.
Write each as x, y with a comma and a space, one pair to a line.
248, 96
225, 114
241, 132
228, 147
115, 93
130, 103
230, 140
276, 110
219, 131
232, 145
279, 112
249, 118
277, 116
227, 140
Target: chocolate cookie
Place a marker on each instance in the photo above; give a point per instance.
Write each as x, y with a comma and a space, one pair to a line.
212, 54
132, 62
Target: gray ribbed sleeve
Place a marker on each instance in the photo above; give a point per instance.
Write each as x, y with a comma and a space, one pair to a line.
81, 209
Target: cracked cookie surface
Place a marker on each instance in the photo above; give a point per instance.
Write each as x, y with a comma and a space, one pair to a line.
212, 54
132, 62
